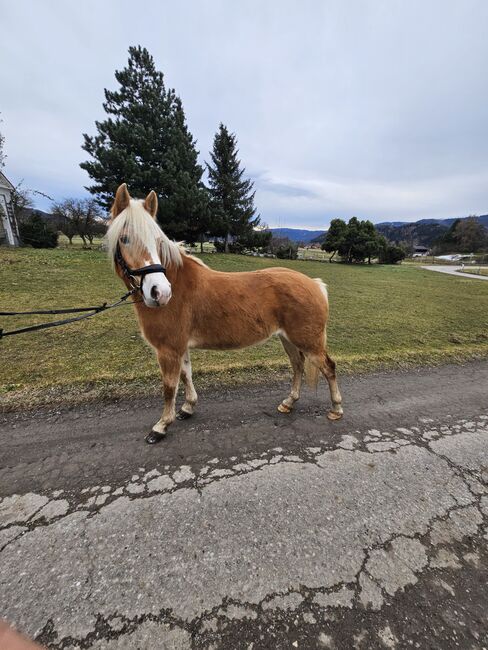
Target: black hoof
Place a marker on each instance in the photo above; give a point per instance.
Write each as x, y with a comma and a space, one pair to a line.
153, 437
183, 415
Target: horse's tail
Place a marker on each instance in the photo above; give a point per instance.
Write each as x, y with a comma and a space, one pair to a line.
312, 371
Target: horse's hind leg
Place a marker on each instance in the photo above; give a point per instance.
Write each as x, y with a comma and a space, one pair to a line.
191, 396
297, 363
328, 369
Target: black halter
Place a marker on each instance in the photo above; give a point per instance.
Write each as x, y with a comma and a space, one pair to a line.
131, 274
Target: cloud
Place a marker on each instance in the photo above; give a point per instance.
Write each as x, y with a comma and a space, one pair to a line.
375, 108
264, 183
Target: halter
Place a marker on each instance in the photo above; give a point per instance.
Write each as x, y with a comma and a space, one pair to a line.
131, 274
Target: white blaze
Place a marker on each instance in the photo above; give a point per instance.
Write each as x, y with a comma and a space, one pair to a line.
156, 288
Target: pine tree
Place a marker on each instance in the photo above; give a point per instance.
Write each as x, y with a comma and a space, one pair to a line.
146, 143
334, 239
184, 204
231, 196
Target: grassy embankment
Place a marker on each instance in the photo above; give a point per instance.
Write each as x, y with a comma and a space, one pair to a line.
477, 270
381, 317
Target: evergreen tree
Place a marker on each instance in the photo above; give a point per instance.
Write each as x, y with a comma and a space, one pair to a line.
146, 143
334, 239
184, 206
354, 241
38, 233
231, 196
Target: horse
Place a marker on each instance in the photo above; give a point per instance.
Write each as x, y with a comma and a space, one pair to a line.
184, 304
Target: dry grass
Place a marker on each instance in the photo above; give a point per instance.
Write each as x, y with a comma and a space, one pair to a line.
477, 270
381, 317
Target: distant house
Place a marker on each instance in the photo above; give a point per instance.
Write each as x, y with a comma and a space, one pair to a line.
9, 231
420, 251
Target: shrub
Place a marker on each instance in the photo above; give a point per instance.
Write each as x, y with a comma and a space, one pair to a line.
219, 246
391, 254
287, 252
37, 233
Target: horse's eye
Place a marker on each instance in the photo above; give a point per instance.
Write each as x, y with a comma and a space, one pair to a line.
124, 239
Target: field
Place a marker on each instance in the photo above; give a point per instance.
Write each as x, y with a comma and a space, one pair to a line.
381, 317
477, 270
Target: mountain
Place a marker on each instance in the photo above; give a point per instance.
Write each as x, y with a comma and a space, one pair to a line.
48, 217
419, 233
483, 218
297, 235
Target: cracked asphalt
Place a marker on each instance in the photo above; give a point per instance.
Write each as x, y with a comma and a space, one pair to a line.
246, 528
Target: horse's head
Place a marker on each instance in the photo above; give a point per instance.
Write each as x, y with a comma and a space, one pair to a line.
139, 248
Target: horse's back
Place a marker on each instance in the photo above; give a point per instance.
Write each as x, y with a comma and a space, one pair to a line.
249, 306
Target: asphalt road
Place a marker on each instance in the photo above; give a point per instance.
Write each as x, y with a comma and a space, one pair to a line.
454, 270
246, 528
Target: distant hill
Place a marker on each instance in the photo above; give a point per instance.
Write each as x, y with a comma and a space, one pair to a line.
46, 216
413, 234
417, 233
420, 233
483, 218
297, 235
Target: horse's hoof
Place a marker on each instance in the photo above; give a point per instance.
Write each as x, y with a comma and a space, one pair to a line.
153, 437
283, 408
183, 415
332, 415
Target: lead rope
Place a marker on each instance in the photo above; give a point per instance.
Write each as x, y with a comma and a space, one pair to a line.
73, 310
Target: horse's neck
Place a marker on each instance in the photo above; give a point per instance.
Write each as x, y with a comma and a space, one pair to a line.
184, 279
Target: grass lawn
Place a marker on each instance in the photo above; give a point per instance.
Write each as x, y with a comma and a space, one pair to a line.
477, 270
381, 316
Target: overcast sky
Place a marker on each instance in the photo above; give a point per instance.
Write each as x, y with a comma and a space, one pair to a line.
373, 108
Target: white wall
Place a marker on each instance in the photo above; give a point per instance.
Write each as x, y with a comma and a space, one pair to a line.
5, 227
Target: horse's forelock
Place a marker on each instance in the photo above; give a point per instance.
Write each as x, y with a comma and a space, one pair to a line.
143, 231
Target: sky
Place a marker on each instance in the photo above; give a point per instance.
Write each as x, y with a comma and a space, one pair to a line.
372, 108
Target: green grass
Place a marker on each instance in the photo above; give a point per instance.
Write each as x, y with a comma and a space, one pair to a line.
477, 270
381, 317
77, 242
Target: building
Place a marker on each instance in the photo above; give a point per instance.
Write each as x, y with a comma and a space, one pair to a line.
9, 231
420, 251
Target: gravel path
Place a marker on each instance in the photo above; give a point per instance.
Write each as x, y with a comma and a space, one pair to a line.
454, 270
249, 529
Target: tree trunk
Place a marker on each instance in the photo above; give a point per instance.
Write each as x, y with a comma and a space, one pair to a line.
330, 258
201, 243
226, 243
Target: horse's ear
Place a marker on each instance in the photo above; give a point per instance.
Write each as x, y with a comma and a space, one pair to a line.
122, 200
151, 204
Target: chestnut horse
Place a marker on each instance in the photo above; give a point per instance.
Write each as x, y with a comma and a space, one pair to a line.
187, 305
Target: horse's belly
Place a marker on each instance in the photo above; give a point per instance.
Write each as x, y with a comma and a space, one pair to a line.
230, 340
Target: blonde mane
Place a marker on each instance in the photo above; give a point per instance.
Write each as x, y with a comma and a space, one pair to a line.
142, 230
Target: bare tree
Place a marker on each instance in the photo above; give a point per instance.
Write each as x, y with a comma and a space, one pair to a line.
21, 199
471, 235
82, 217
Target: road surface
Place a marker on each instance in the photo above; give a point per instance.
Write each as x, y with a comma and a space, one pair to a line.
454, 270
251, 529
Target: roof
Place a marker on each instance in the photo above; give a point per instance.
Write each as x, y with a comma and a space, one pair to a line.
4, 182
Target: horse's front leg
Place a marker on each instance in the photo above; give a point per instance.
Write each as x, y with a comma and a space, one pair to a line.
191, 396
170, 364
